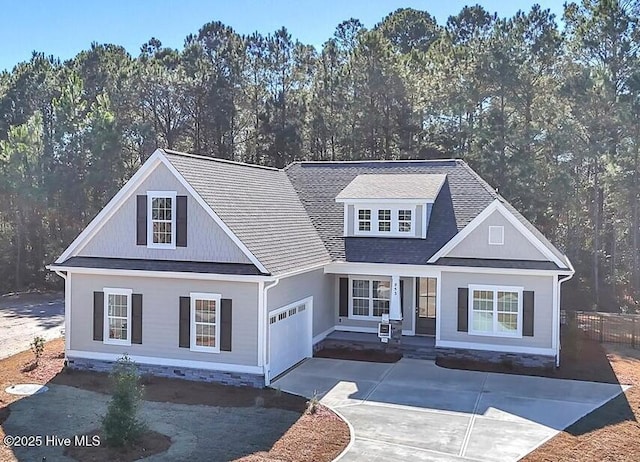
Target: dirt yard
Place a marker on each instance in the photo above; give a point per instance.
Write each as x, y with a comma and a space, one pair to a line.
320, 436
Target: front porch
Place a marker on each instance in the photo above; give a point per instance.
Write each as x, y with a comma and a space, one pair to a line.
416, 347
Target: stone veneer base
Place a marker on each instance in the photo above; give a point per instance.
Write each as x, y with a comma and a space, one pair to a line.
174, 372
515, 359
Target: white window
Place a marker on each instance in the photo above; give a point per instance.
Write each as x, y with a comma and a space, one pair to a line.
370, 298
364, 220
384, 220
496, 235
161, 216
205, 322
391, 220
495, 311
404, 221
117, 316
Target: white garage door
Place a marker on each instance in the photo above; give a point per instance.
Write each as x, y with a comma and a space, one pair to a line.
289, 336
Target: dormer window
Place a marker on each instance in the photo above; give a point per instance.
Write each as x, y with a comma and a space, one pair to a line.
404, 221
364, 220
162, 219
384, 220
390, 205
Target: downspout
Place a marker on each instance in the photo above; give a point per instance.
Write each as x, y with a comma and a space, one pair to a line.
560, 281
67, 309
265, 327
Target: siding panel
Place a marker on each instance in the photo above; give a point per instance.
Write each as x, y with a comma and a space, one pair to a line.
161, 317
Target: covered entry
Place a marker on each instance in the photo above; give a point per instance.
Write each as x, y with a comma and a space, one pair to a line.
290, 336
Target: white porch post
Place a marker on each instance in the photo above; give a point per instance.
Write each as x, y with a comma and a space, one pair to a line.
395, 313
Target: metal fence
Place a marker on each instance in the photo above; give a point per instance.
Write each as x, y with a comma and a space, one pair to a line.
605, 327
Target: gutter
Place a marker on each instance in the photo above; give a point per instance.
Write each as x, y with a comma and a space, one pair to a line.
560, 281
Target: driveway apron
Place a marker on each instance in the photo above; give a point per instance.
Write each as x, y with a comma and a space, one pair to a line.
415, 410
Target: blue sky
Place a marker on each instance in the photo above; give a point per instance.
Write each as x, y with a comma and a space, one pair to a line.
65, 27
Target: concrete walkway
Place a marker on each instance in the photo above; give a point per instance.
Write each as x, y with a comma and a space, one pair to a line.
415, 410
24, 316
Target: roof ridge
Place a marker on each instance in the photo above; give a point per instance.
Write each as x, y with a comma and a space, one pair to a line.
481, 180
217, 159
370, 161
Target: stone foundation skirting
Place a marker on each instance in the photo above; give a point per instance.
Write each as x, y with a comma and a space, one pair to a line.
515, 359
172, 372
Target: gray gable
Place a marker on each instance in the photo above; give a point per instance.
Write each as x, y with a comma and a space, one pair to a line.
462, 197
260, 206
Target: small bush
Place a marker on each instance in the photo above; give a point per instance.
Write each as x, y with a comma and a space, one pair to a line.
37, 346
313, 403
120, 426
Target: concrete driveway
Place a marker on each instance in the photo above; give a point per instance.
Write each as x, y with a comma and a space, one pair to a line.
415, 410
24, 316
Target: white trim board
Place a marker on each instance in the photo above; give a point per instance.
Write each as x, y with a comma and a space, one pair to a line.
385, 269
161, 274
129, 189
155, 361
498, 206
322, 335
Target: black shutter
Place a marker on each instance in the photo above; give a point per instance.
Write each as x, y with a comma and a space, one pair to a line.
136, 318
402, 297
225, 324
185, 322
181, 221
527, 313
344, 297
141, 220
463, 309
98, 316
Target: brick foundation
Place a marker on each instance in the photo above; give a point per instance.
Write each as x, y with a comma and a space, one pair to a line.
186, 373
516, 359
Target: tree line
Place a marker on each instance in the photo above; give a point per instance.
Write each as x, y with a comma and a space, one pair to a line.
546, 109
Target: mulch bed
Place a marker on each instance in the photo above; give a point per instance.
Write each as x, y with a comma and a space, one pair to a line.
374, 356
316, 437
611, 432
180, 391
150, 443
580, 359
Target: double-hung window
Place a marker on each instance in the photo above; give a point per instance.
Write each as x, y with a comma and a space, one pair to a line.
117, 316
370, 298
495, 311
162, 219
384, 220
404, 221
364, 220
205, 322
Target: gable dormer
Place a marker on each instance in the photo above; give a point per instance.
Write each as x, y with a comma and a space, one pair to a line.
389, 205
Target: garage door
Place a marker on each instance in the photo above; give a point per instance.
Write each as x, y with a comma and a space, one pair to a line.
289, 336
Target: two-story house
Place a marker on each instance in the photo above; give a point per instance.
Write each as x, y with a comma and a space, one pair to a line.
215, 270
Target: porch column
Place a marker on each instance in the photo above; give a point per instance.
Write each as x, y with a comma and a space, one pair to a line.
395, 312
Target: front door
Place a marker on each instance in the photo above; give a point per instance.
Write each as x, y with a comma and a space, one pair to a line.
426, 306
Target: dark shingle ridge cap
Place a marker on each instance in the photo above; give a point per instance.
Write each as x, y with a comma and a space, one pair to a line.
372, 161
217, 159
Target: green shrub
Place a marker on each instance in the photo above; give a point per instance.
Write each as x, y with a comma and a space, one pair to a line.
37, 346
120, 426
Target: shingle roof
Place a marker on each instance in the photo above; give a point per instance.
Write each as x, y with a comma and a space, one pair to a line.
260, 206
460, 200
161, 265
393, 186
462, 197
